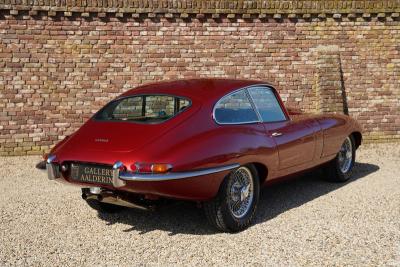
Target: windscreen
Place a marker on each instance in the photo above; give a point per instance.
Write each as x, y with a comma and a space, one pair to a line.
143, 108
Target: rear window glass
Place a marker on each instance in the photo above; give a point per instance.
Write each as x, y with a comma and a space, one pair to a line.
143, 108
234, 109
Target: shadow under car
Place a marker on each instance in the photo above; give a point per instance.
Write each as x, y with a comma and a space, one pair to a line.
180, 217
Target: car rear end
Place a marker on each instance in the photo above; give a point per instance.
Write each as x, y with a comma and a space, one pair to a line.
122, 149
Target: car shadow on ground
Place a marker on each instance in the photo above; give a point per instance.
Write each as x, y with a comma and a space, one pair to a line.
180, 217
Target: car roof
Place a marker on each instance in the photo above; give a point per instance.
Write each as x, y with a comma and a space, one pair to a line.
200, 89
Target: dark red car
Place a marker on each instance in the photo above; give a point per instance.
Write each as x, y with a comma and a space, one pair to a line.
213, 141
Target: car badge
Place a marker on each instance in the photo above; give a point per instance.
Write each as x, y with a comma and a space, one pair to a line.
102, 140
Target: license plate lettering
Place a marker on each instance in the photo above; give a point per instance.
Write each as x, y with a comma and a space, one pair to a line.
91, 174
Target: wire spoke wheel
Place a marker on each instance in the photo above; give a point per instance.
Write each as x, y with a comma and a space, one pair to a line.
233, 209
341, 167
345, 156
241, 192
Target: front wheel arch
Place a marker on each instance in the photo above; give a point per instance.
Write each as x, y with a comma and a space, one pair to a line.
357, 138
262, 172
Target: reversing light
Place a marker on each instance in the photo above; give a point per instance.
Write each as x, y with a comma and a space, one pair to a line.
151, 167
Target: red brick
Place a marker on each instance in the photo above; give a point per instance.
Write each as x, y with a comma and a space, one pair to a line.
73, 75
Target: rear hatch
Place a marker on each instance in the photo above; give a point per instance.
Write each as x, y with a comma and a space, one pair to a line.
116, 136
129, 123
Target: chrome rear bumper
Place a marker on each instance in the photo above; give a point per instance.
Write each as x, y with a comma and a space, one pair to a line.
128, 176
119, 178
53, 170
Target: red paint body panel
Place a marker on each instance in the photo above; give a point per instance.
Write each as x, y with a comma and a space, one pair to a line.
193, 140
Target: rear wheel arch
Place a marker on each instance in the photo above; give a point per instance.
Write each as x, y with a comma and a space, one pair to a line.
261, 169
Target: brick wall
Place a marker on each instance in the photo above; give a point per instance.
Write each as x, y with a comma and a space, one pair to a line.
61, 63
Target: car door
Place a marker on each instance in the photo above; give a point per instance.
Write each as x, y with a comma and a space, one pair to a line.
295, 139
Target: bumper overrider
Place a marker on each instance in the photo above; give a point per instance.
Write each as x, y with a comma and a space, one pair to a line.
119, 178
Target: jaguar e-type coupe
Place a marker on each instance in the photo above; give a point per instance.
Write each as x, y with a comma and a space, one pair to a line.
212, 141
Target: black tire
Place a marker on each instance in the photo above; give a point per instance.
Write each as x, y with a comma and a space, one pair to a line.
218, 211
103, 207
333, 171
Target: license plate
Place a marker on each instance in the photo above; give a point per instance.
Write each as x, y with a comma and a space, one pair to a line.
88, 173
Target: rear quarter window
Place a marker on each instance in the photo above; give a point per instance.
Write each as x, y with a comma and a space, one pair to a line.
235, 108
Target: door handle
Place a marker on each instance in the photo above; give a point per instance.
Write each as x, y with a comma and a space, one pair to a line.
275, 134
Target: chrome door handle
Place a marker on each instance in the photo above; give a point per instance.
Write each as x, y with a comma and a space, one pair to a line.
275, 134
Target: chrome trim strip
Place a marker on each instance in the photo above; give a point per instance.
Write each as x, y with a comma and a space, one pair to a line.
254, 105
127, 176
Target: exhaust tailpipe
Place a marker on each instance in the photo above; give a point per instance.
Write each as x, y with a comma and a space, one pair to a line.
86, 196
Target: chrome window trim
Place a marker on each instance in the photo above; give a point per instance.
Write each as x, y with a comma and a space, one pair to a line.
246, 89
253, 105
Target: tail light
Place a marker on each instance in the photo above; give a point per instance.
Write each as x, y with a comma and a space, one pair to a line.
160, 168
151, 167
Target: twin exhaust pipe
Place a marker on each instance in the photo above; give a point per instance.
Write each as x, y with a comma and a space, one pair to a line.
112, 198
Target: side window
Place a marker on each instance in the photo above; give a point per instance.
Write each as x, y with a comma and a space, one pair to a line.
235, 108
267, 105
